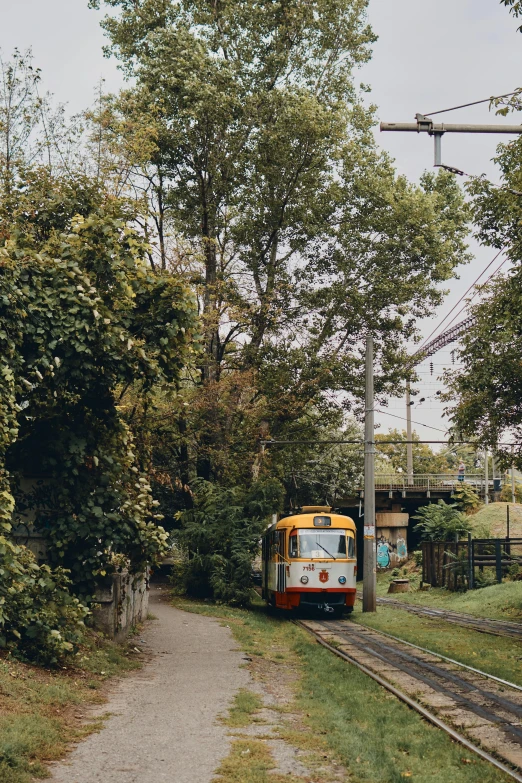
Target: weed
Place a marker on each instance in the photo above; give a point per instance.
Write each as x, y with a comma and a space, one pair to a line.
246, 704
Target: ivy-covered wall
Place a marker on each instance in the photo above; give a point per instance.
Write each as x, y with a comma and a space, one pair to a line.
83, 318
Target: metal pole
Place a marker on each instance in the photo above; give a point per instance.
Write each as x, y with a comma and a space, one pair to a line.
369, 574
486, 477
432, 128
409, 446
513, 499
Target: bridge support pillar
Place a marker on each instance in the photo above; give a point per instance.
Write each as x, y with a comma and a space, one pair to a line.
391, 535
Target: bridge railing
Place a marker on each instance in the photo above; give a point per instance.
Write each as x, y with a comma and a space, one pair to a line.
426, 481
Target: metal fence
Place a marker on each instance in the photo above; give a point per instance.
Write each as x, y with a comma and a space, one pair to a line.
459, 565
427, 481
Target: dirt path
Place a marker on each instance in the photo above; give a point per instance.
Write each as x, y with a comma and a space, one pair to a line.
163, 720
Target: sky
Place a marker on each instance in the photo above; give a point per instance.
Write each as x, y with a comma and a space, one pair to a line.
429, 56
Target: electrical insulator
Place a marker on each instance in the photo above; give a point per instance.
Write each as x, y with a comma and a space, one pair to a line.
431, 368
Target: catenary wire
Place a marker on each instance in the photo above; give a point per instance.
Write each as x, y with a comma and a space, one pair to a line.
377, 410
499, 267
473, 103
461, 298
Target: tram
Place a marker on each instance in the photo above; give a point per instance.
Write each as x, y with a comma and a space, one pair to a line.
309, 561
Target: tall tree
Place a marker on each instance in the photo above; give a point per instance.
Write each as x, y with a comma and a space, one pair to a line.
276, 201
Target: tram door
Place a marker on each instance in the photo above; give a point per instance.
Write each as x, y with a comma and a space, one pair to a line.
276, 572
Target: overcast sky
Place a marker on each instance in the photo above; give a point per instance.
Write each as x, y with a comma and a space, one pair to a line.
429, 56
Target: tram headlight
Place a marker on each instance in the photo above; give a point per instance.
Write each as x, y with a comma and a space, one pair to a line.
342, 580
304, 580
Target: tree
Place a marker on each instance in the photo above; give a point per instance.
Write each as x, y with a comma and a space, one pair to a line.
515, 8
486, 392
82, 318
277, 206
220, 536
425, 460
440, 522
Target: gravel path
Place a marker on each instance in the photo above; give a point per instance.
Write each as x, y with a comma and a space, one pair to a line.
163, 719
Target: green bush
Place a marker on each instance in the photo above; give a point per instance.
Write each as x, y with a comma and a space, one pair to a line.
220, 537
40, 621
485, 578
466, 499
506, 495
417, 557
440, 522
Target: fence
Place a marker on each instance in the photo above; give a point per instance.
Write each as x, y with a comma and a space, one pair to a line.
428, 481
453, 564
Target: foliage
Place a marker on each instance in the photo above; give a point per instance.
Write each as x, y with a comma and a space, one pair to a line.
425, 460
440, 522
515, 8
221, 537
487, 388
81, 316
314, 473
40, 620
506, 495
465, 498
269, 195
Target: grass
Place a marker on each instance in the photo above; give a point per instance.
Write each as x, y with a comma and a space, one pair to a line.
492, 518
250, 761
498, 602
495, 655
245, 705
345, 714
40, 709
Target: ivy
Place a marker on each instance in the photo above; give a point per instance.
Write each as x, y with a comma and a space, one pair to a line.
82, 318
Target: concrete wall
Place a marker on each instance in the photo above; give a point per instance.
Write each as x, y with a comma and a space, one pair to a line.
392, 531
121, 604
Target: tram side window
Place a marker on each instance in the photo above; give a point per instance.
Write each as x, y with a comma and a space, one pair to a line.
292, 547
351, 547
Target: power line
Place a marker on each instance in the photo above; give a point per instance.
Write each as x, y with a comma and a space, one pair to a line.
499, 267
377, 410
474, 103
460, 300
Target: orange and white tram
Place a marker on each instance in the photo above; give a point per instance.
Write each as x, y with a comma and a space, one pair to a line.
309, 561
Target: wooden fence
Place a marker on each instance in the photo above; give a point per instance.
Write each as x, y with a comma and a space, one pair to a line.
453, 564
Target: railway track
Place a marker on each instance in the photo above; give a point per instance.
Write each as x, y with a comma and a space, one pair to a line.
483, 625
478, 710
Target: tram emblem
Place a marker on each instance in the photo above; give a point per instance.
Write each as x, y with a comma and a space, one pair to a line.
324, 576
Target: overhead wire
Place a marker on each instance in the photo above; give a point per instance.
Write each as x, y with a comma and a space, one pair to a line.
473, 103
475, 294
460, 300
393, 415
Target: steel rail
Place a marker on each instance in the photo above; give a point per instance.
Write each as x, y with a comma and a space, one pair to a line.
429, 716
505, 628
449, 660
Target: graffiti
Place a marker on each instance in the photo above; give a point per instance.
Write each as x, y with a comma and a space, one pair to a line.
383, 553
391, 553
402, 551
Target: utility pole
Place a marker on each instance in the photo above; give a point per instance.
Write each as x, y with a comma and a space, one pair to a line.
513, 496
409, 444
370, 572
486, 477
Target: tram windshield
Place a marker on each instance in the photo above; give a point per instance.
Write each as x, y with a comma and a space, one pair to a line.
320, 544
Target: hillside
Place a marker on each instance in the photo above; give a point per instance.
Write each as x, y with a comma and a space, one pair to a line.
493, 517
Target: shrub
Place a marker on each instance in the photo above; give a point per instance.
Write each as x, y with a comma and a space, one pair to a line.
417, 557
40, 621
466, 499
440, 522
506, 496
220, 536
